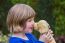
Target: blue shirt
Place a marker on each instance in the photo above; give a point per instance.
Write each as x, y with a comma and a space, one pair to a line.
31, 38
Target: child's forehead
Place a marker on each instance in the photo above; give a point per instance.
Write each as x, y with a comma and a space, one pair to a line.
32, 18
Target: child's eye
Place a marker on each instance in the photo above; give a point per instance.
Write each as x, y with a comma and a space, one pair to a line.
29, 20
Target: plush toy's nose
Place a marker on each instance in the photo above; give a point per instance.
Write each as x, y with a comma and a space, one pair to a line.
35, 26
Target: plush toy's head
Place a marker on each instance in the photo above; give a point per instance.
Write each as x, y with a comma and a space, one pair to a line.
42, 26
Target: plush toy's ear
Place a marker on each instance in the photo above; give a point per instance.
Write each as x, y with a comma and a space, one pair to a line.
43, 26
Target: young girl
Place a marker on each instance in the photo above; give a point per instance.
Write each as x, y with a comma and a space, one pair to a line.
20, 22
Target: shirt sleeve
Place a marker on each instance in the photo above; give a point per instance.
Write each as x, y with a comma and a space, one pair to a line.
15, 40
33, 38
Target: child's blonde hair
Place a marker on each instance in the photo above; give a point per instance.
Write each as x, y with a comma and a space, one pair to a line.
17, 16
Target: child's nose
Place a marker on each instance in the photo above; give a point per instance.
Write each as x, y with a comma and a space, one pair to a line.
33, 22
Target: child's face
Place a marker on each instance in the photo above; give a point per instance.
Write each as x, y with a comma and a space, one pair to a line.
29, 25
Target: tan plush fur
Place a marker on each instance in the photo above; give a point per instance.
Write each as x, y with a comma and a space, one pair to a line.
42, 26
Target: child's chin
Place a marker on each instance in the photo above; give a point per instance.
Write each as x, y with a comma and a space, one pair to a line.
30, 31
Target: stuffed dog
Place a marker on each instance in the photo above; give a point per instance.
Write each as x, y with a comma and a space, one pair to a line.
42, 26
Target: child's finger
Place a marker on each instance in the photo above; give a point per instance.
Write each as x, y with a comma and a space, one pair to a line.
52, 34
48, 35
50, 31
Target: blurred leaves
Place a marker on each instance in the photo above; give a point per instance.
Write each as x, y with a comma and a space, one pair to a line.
58, 12
4, 39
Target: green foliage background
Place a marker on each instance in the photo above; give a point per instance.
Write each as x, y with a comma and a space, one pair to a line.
51, 10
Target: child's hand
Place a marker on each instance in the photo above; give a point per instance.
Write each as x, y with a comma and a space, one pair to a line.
46, 37
51, 32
